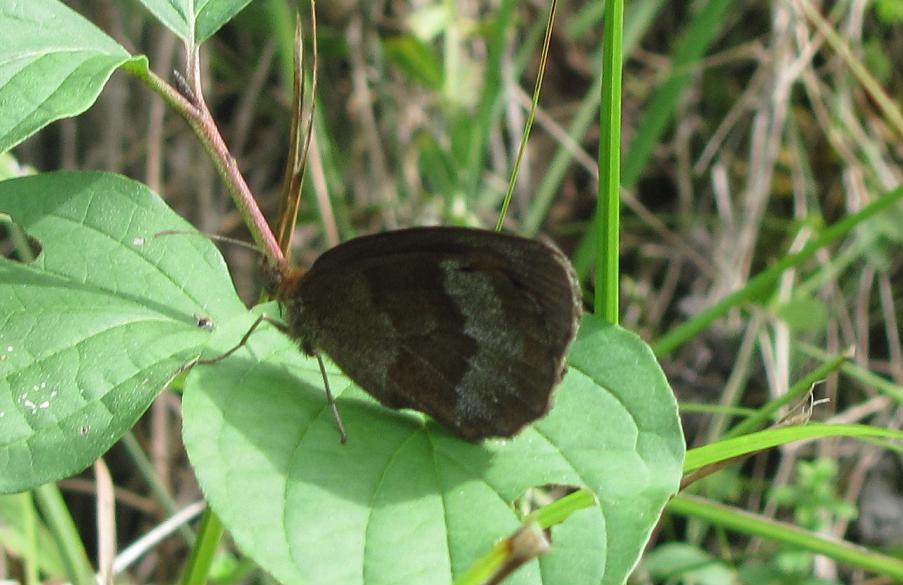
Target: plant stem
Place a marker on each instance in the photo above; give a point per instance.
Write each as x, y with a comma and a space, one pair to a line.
609, 208
201, 121
210, 533
63, 528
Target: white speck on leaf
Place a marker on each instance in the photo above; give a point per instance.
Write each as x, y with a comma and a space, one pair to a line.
138, 241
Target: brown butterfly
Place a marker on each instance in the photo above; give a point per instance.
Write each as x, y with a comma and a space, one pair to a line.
468, 326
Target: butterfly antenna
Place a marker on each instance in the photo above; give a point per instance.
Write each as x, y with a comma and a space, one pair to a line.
214, 237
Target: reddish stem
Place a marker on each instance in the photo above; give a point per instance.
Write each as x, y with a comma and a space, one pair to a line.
201, 121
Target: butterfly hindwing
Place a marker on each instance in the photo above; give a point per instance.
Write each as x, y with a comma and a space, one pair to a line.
468, 326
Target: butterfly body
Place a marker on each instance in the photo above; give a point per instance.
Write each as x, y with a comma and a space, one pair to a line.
468, 326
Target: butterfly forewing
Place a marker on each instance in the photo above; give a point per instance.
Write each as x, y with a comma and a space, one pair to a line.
468, 326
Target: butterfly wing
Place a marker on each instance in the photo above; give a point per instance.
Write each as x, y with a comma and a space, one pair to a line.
468, 326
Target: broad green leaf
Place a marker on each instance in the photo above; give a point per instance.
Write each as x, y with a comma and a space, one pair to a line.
406, 502
98, 324
194, 19
53, 64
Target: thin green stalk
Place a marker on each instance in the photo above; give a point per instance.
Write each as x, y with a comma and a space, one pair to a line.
785, 534
718, 409
62, 526
210, 532
765, 280
840, 262
856, 372
561, 509
609, 207
547, 516
30, 537
765, 414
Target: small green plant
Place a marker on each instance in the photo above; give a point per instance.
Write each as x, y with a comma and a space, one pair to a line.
816, 507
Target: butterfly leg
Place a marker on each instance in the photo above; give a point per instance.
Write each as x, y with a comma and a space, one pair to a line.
343, 436
330, 399
261, 319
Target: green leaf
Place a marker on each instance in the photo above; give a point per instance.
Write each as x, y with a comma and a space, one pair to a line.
98, 324
18, 519
678, 562
429, 21
804, 313
53, 64
889, 12
404, 501
106, 314
194, 19
416, 58
10, 167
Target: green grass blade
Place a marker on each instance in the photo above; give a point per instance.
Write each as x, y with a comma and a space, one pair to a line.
856, 372
609, 209
766, 279
765, 414
785, 534
753, 442
706, 26
61, 524
209, 535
